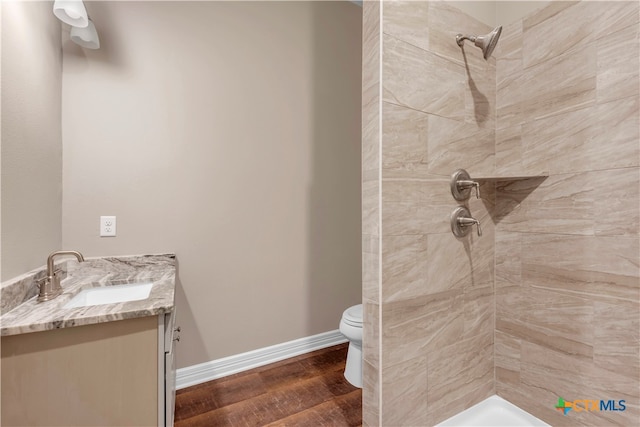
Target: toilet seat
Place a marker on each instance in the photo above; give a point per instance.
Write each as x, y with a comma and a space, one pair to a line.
353, 316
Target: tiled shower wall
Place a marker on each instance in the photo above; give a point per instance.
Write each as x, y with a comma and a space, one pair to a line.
562, 99
567, 249
432, 355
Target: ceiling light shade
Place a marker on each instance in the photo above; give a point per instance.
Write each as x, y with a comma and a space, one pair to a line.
71, 12
86, 37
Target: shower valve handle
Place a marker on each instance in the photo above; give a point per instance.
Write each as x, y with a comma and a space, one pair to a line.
464, 184
461, 184
462, 221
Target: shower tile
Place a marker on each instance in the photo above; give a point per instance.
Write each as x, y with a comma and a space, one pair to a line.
404, 142
370, 267
445, 22
478, 311
415, 327
507, 357
549, 11
370, 395
371, 333
459, 264
603, 136
616, 198
414, 217
542, 316
574, 378
612, 16
439, 91
618, 64
617, 337
472, 361
452, 145
509, 151
510, 44
557, 204
407, 21
508, 258
404, 265
558, 34
480, 98
370, 207
554, 87
404, 393
602, 267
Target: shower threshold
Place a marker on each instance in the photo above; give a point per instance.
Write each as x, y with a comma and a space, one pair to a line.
493, 412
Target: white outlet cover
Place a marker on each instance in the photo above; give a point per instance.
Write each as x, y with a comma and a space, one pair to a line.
107, 226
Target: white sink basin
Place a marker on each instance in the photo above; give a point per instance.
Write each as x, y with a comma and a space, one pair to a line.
110, 295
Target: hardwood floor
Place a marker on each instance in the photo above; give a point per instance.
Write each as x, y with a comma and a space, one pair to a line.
308, 390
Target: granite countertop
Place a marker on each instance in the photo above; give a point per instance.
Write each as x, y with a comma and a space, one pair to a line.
30, 316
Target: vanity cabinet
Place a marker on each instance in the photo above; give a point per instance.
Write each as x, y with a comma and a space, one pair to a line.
108, 374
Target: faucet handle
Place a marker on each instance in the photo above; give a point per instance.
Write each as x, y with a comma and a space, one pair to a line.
461, 220
461, 184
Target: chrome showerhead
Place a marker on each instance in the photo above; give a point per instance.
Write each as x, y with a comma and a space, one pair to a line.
487, 43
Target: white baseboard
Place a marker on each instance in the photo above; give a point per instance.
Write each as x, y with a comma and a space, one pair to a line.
214, 369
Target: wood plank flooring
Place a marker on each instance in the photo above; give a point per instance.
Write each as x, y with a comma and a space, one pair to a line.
307, 390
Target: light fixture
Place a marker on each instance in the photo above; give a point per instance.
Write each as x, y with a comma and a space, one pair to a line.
86, 37
71, 12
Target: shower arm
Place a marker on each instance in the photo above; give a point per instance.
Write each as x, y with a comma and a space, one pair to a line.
460, 38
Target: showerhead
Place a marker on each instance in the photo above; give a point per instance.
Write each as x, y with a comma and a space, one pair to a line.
487, 43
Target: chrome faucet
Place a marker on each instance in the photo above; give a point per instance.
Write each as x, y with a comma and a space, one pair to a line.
50, 285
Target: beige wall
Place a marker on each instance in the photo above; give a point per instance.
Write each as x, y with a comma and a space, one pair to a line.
31, 136
230, 134
567, 248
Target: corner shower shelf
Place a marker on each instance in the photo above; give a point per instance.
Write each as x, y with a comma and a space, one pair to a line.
510, 177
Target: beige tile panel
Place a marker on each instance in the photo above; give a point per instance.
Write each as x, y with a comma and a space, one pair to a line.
603, 136
370, 268
553, 8
564, 31
370, 395
370, 86
549, 88
509, 155
404, 142
404, 393
613, 16
445, 22
459, 376
560, 204
574, 378
507, 353
603, 267
413, 328
616, 197
407, 21
480, 97
508, 258
452, 145
422, 80
479, 311
460, 263
370, 207
602, 202
510, 42
618, 64
542, 316
617, 338
404, 267
371, 332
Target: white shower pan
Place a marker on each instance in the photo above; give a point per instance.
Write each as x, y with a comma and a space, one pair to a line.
493, 412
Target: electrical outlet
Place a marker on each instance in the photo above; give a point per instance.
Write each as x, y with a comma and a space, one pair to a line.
107, 226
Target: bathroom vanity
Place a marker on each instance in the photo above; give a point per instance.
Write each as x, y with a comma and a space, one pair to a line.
106, 364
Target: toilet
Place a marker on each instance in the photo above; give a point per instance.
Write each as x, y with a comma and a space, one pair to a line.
351, 327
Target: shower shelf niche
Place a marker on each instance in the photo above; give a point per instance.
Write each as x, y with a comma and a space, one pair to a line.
510, 177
